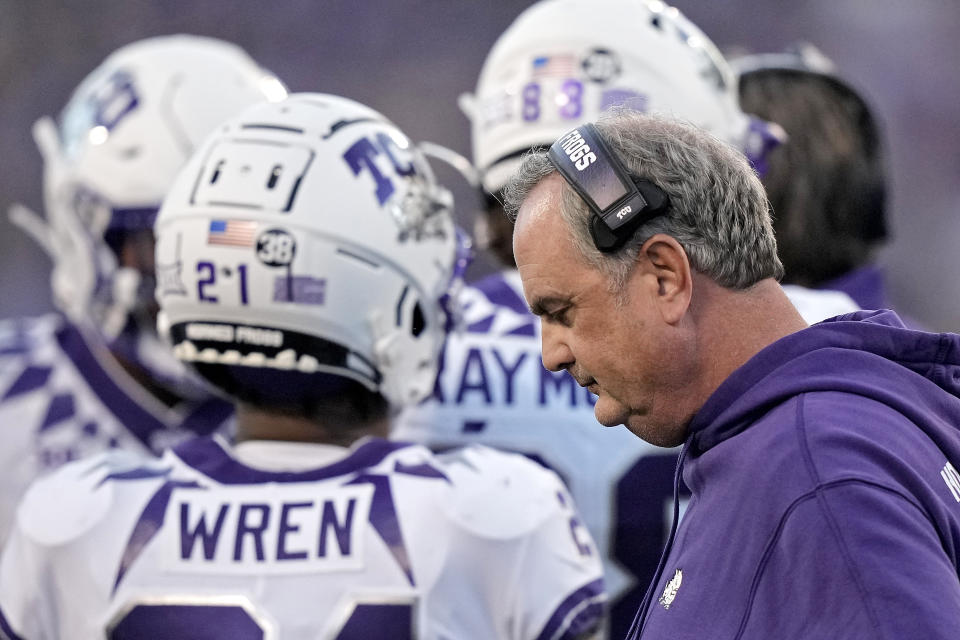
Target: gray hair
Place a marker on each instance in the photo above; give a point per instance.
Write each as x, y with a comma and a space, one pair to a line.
718, 211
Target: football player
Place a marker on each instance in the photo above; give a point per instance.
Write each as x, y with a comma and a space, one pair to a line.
560, 63
95, 376
305, 259
828, 184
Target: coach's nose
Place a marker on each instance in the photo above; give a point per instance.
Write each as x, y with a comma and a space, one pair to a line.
555, 350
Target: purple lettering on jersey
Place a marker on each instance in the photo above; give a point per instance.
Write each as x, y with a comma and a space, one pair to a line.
340, 529
508, 371
149, 524
195, 621
474, 361
384, 520
558, 380
209, 539
245, 529
437, 388
578, 616
61, 408
286, 527
591, 398
30, 378
370, 621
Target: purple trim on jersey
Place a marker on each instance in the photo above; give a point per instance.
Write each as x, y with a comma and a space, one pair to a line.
383, 518
481, 326
137, 420
149, 525
6, 629
61, 408
30, 378
423, 470
528, 330
212, 460
580, 613
499, 292
207, 416
140, 473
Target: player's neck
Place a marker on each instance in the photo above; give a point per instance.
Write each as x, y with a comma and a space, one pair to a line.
258, 424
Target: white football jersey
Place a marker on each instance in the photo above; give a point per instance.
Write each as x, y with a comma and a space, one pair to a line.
62, 397
493, 389
383, 540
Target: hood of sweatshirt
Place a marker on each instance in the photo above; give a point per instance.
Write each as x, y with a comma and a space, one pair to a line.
868, 353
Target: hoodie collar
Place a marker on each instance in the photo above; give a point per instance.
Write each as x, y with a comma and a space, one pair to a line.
868, 353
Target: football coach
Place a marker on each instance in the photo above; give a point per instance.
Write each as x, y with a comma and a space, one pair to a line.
822, 461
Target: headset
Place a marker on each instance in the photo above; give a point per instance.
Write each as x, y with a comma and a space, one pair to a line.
620, 202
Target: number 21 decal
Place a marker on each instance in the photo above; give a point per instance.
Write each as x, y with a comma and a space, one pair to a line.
207, 277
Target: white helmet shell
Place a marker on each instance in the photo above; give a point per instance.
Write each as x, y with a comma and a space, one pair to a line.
564, 62
129, 127
309, 235
133, 122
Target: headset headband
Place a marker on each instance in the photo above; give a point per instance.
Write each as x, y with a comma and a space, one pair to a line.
620, 203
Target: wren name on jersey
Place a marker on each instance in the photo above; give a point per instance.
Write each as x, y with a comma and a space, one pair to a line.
234, 531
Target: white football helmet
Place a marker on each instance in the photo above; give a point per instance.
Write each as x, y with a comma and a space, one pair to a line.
564, 62
128, 128
308, 236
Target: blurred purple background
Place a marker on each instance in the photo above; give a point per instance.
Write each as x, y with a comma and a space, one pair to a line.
410, 59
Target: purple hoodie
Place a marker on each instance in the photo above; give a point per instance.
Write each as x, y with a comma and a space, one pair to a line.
825, 493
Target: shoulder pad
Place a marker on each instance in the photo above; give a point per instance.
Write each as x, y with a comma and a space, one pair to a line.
499, 494
69, 502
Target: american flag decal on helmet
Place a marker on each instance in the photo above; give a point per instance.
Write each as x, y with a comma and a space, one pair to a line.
232, 233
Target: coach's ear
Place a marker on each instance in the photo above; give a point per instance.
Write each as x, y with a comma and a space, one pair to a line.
667, 276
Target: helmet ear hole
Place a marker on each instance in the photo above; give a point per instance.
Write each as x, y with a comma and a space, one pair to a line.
419, 321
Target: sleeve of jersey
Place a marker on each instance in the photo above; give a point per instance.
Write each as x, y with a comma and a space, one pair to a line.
857, 561
559, 587
24, 612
